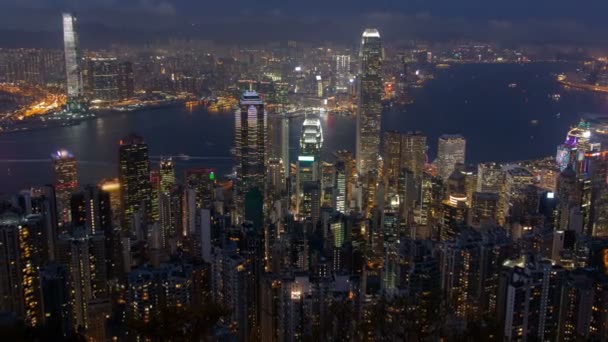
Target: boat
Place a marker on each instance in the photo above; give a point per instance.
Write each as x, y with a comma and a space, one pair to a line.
513, 85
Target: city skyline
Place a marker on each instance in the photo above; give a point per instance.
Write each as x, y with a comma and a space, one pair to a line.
299, 191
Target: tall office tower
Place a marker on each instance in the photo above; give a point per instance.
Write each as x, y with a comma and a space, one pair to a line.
566, 193
202, 182
85, 256
340, 188
517, 181
55, 289
134, 178
453, 217
154, 191
276, 178
407, 195
421, 212
490, 177
72, 57
450, 150
285, 145
91, 209
309, 166
342, 73
101, 79
250, 147
126, 87
66, 182
593, 193
21, 256
484, 209
401, 77
350, 171
370, 102
229, 287
413, 154
112, 187
529, 299
167, 175
391, 157
320, 87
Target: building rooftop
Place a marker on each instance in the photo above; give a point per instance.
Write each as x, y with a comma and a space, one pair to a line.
373, 33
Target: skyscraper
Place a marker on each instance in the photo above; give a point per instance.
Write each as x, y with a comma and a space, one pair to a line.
370, 102
450, 150
102, 79
167, 175
134, 177
250, 145
66, 182
308, 171
342, 73
490, 178
72, 57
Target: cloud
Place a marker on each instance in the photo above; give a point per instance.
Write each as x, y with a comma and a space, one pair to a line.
156, 7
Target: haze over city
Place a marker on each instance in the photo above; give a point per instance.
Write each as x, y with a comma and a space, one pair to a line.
303, 171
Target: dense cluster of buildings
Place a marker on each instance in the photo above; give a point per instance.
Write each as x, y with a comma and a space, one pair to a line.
379, 244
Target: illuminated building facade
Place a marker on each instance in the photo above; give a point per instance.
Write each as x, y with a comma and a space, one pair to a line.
202, 181
66, 182
484, 208
134, 178
86, 259
72, 57
490, 177
340, 188
21, 253
167, 175
342, 73
370, 102
309, 168
250, 145
450, 151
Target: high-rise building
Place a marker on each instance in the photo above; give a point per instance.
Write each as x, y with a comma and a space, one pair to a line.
529, 299
55, 288
370, 102
202, 181
101, 78
450, 151
342, 73
250, 146
484, 208
490, 177
340, 188
167, 175
126, 87
66, 182
86, 258
413, 153
108, 80
72, 57
21, 256
134, 178
517, 182
391, 155
309, 167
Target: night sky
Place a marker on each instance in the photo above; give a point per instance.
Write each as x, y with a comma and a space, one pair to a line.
530, 21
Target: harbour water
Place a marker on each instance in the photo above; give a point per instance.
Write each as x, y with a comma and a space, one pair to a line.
500, 123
